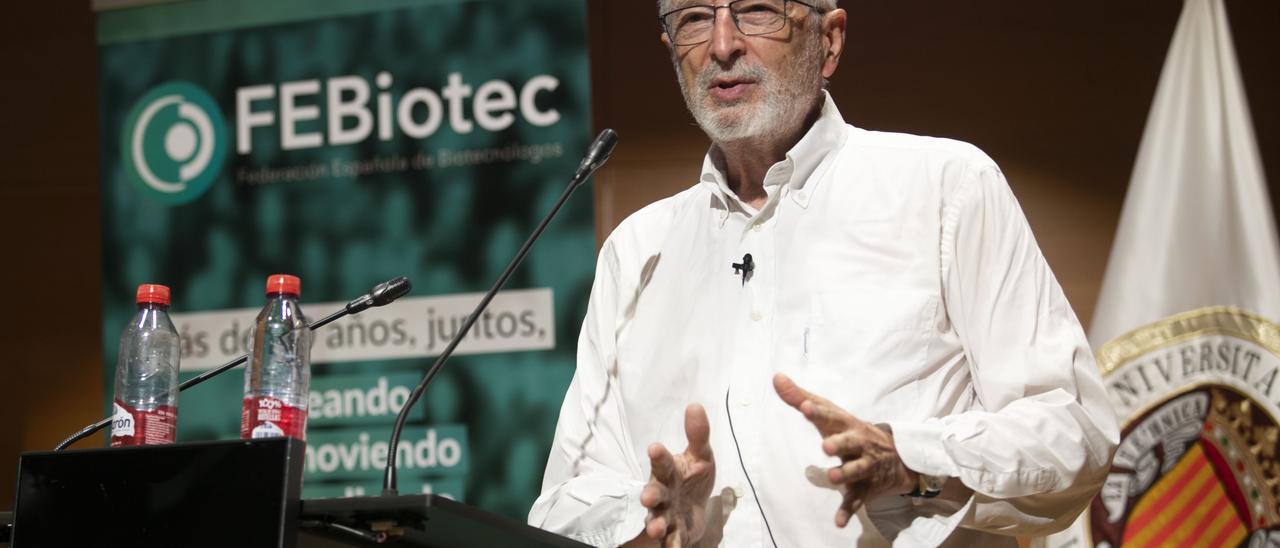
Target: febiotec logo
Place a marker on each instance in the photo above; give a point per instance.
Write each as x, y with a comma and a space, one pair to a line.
346, 117
174, 142
175, 136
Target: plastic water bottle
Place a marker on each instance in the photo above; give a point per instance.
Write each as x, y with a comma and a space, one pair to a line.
278, 379
145, 407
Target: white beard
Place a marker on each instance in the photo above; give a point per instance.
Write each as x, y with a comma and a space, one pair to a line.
785, 98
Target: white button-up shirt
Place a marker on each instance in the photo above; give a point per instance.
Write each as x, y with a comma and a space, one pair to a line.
894, 275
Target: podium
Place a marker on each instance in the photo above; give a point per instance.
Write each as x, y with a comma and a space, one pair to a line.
240, 493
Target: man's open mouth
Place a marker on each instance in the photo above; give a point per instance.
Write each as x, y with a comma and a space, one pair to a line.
730, 89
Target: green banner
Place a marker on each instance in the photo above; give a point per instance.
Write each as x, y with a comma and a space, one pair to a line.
349, 142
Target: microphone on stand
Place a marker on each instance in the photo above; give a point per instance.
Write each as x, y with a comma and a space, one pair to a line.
381, 294
597, 154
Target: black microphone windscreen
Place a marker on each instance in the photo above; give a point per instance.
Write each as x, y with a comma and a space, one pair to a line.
602, 148
390, 290
597, 154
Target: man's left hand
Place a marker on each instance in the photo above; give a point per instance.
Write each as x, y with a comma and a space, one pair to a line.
870, 464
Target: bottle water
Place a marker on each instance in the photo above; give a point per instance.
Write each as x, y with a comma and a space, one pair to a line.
278, 379
145, 407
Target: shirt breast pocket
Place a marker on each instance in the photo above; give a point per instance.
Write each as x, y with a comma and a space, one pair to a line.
877, 339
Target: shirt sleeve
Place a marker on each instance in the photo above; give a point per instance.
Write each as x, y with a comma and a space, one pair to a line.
1037, 447
591, 487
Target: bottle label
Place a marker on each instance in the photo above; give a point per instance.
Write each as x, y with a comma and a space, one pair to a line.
131, 426
268, 417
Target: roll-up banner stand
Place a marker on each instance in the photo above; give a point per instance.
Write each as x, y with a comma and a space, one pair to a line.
348, 142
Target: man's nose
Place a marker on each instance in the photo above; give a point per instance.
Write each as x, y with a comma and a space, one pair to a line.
726, 40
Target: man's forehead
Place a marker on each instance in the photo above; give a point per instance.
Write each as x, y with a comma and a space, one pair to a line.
677, 4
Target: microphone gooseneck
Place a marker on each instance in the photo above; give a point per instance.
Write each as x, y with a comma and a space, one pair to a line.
597, 154
381, 294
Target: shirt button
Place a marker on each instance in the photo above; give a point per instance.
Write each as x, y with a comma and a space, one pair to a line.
757, 316
757, 227
801, 196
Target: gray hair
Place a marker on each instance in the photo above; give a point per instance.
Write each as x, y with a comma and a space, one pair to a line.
824, 5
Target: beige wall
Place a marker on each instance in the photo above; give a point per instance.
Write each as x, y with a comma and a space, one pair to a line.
1055, 91
50, 372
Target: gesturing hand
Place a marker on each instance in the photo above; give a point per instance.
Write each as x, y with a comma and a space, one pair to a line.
680, 485
870, 464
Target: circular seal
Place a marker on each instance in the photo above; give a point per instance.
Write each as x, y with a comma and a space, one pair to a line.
174, 142
1197, 463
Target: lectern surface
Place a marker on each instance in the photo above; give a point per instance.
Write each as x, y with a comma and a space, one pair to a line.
426, 521
230, 493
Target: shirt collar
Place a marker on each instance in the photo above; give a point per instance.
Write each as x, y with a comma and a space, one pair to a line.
825, 136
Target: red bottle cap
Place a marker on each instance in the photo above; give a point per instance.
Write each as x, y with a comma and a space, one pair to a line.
153, 293
284, 283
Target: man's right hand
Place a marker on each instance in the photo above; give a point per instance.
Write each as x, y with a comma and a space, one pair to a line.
679, 486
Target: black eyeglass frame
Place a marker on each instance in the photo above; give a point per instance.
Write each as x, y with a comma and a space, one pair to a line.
662, 19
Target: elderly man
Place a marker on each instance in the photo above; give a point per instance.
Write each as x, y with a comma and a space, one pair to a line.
949, 395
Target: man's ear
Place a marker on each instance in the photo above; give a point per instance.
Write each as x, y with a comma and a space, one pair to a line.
666, 41
833, 28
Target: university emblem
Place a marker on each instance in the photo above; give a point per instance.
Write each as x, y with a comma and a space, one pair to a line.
1197, 463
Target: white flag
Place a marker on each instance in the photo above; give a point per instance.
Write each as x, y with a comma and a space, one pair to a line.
1197, 229
1184, 328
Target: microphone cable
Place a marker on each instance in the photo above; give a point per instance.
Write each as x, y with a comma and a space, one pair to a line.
743, 464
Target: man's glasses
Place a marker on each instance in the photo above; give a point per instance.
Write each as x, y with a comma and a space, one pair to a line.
692, 25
